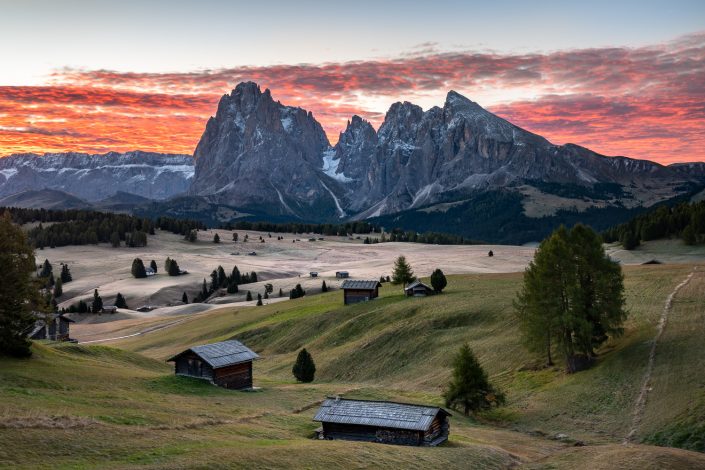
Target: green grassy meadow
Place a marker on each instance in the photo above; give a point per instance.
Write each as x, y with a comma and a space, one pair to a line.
119, 406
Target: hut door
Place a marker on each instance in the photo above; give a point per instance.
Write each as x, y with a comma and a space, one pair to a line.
194, 367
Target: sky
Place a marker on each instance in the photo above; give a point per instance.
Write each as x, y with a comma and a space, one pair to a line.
622, 78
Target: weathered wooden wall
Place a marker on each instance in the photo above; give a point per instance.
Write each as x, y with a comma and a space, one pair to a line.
237, 376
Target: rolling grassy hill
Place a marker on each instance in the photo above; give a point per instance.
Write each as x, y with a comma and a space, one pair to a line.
119, 406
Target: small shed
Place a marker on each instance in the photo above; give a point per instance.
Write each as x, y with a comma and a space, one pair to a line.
149, 271
359, 291
313, 274
109, 309
227, 364
418, 289
342, 274
53, 326
382, 421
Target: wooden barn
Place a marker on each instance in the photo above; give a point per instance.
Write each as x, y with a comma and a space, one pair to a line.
56, 328
383, 422
227, 364
342, 274
418, 289
359, 291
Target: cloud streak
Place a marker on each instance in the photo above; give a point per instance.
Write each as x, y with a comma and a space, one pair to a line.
644, 102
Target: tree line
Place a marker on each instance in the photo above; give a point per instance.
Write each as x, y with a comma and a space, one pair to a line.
85, 227
685, 221
295, 227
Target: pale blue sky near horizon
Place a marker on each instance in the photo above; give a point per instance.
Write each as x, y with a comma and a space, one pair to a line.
41, 36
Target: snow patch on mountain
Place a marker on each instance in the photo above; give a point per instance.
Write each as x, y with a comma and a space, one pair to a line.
330, 166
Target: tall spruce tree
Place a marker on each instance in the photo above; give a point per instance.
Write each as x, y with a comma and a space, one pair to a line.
18, 293
216, 238
97, 305
402, 273
572, 298
184, 298
304, 368
153, 265
470, 389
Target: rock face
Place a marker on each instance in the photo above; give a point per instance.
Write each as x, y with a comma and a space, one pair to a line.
258, 153
419, 158
96, 177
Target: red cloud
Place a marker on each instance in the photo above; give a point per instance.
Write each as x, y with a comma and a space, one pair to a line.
642, 102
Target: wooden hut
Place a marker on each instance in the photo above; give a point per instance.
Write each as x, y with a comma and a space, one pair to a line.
53, 326
227, 364
342, 274
418, 289
359, 291
313, 274
383, 422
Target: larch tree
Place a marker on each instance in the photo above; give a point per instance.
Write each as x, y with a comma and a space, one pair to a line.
572, 298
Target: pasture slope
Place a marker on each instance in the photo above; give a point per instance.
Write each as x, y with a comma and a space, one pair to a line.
119, 406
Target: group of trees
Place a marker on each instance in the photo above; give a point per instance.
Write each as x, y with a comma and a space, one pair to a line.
572, 298
53, 286
96, 305
84, 227
293, 227
297, 292
171, 267
432, 238
685, 221
220, 280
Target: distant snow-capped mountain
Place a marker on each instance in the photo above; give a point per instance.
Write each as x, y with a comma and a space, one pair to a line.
96, 177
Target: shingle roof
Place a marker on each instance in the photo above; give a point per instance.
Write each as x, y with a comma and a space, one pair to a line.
416, 284
222, 354
378, 413
350, 284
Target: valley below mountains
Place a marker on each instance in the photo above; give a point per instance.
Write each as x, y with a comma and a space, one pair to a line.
456, 168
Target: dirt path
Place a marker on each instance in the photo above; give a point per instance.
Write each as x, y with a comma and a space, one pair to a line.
640, 403
141, 332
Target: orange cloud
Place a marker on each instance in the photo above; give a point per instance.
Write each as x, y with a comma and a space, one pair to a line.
644, 102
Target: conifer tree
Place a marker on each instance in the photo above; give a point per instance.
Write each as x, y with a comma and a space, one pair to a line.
249, 296
572, 298
259, 299
138, 270
216, 238
324, 287
235, 236
304, 368
153, 265
222, 278
470, 389
66, 274
167, 264
438, 281
204, 291
281, 292
402, 273
97, 305
174, 269
115, 240
120, 301
58, 288
184, 298
46, 269
18, 294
